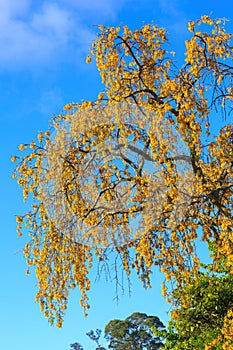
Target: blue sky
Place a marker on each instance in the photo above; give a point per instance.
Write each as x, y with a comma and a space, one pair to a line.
43, 45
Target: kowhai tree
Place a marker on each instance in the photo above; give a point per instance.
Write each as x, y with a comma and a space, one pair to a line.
144, 171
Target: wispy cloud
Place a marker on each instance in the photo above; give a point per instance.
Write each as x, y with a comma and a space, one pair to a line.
174, 16
49, 102
98, 8
169, 7
40, 33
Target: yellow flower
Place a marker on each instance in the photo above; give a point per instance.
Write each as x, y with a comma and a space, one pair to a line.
68, 107
13, 159
19, 219
40, 136
101, 96
191, 26
88, 59
21, 147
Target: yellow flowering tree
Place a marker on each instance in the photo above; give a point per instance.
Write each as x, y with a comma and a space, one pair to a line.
143, 172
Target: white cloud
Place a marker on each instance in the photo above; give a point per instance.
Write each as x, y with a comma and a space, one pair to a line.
176, 20
52, 22
28, 37
50, 102
12, 8
45, 31
169, 7
98, 8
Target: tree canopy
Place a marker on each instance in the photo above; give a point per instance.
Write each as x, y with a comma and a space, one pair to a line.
144, 171
135, 332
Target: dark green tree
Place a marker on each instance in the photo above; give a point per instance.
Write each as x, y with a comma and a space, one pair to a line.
134, 333
95, 336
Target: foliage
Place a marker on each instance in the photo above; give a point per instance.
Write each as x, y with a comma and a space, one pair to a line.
140, 171
200, 317
95, 336
76, 346
132, 333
